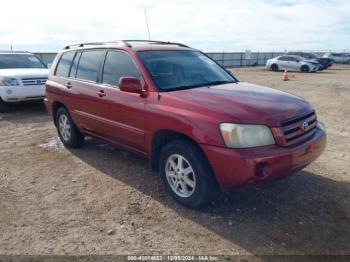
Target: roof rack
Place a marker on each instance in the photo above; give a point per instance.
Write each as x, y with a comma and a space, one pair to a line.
96, 43
155, 42
125, 42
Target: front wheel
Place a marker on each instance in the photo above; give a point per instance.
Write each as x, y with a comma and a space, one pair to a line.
274, 67
187, 174
67, 131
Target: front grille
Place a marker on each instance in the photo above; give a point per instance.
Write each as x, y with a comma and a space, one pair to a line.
34, 81
299, 129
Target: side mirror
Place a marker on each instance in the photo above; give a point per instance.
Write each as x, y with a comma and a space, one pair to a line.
131, 85
297, 61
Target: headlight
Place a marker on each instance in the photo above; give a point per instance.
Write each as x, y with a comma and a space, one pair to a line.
243, 136
6, 81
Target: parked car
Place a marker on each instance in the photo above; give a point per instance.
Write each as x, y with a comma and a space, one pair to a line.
292, 63
200, 127
343, 58
324, 61
22, 78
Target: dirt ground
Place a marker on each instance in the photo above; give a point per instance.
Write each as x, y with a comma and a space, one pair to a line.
103, 200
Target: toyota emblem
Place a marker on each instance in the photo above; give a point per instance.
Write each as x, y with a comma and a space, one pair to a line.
304, 126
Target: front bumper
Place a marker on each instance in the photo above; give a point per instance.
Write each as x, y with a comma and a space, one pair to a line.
22, 93
236, 167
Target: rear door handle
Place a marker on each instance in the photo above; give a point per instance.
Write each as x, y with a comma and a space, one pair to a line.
69, 85
101, 93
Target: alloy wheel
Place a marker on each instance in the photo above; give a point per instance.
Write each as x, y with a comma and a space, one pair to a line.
180, 175
64, 127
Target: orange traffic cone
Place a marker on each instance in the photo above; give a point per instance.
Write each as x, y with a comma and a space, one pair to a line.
285, 76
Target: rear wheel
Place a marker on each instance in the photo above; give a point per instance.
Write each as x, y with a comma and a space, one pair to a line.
3, 106
67, 131
274, 67
305, 69
187, 174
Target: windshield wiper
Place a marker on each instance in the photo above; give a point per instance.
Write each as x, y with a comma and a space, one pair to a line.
219, 82
183, 87
199, 85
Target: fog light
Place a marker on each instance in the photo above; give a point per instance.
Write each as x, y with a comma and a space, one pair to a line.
263, 170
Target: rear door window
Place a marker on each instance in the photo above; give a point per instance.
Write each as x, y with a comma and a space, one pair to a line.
89, 65
117, 65
64, 64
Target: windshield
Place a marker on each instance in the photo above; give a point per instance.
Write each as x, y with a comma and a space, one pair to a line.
176, 70
9, 61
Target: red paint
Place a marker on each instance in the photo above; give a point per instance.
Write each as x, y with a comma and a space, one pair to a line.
131, 120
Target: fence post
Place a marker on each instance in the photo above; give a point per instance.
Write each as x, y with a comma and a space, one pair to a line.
223, 56
240, 64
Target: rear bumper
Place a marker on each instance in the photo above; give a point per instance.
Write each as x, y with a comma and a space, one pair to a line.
236, 167
48, 105
22, 93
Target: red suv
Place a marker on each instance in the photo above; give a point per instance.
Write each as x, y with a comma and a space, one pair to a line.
198, 125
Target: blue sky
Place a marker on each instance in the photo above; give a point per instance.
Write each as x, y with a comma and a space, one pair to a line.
220, 25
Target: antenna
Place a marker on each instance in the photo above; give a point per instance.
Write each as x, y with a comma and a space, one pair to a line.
149, 35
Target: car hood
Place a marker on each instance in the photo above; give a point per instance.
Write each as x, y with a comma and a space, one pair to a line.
239, 103
312, 61
24, 72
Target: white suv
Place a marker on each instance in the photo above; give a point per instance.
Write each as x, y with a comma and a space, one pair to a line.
22, 77
343, 58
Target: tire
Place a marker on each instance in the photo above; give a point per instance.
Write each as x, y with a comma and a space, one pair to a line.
194, 189
3, 106
305, 69
67, 131
274, 67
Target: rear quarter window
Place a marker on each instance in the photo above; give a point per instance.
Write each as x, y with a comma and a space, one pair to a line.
64, 64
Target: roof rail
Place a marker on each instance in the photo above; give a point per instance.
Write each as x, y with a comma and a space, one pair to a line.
155, 42
96, 43
125, 42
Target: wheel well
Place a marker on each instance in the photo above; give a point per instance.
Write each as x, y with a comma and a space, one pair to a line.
160, 139
55, 107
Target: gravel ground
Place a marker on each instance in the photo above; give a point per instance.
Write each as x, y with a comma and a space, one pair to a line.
102, 200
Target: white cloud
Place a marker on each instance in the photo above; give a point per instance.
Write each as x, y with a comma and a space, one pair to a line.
208, 25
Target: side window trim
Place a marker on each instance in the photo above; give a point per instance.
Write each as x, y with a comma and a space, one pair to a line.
76, 69
71, 64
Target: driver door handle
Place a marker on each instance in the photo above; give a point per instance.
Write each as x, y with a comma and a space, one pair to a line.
69, 85
101, 93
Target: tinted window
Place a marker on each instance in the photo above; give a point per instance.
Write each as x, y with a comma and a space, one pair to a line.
175, 70
118, 64
64, 64
20, 61
73, 70
89, 65
283, 58
292, 59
